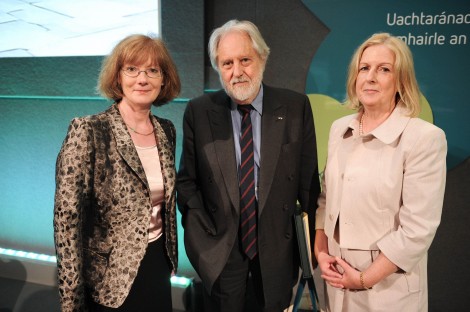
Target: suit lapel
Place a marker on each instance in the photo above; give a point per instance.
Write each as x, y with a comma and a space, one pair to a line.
273, 122
124, 143
167, 160
222, 134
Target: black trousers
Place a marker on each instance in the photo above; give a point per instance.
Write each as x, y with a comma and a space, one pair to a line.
239, 288
151, 290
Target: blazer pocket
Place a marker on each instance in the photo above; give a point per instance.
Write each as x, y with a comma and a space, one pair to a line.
95, 264
412, 279
199, 218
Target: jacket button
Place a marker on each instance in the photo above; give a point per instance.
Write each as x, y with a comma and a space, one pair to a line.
285, 207
331, 217
287, 235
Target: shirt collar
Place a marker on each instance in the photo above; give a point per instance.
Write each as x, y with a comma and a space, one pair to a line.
389, 130
257, 102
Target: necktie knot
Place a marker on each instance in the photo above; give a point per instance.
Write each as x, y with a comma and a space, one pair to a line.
245, 109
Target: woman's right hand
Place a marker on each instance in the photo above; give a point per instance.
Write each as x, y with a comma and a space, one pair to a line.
326, 263
329, 271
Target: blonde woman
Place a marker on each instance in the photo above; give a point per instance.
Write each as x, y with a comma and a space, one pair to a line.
383, 187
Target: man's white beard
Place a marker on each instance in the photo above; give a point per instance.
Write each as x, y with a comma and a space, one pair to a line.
243, 93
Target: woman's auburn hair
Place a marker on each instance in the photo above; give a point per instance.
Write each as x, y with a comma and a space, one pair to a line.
138, 49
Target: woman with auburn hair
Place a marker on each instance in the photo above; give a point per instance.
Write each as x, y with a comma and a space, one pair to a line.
114, 211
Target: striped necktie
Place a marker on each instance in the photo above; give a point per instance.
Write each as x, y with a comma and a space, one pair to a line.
247, 185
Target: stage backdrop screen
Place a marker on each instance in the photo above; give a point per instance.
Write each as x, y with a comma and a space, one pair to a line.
72, 28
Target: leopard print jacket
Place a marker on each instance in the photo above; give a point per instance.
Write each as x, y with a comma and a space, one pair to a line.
102, 209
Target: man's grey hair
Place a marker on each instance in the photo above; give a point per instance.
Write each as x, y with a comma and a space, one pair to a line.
247, 27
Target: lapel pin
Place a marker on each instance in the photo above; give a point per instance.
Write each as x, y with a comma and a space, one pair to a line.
280, 118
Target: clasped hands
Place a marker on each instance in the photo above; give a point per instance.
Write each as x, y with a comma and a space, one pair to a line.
338, 273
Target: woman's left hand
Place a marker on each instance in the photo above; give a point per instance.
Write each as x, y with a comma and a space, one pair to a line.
351, 276
349, 279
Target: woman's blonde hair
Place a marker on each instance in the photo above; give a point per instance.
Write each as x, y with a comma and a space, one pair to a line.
138, 49
407, 86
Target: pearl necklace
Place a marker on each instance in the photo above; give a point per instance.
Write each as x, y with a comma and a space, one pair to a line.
361, 122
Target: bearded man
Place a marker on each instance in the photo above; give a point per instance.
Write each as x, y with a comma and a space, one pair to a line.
249, 156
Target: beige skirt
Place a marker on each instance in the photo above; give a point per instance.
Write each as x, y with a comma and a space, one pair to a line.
404, 292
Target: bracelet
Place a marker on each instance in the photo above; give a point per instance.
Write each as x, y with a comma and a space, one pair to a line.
361, 279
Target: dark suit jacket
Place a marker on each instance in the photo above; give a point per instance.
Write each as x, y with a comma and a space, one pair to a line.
208, 193
102, 208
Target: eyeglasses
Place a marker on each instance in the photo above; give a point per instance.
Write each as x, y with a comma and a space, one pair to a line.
133, 72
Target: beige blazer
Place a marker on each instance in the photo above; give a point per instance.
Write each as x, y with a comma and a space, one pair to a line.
384, 190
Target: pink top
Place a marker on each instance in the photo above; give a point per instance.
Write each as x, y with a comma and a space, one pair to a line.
151, 163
